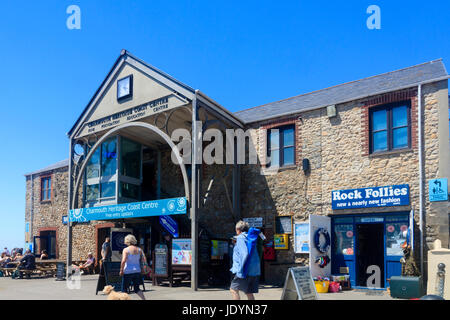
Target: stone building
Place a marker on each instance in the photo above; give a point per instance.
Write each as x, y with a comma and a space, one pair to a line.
314, 152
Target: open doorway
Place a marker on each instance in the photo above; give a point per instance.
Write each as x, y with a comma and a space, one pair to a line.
102, 233
370, 252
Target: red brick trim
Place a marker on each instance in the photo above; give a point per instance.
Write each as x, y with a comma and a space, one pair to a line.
397, 96
100, 226
43, 229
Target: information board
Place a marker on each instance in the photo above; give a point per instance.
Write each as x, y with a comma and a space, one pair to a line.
301, 237
283, 225
299, 285
219, 248
181, 252
161, 261
255, 222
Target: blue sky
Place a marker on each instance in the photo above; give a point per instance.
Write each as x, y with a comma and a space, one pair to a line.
240, 53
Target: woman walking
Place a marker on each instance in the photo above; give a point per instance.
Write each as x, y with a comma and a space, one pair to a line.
246, 263
130, 268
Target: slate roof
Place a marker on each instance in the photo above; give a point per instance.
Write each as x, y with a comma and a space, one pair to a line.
391, 81
58, 165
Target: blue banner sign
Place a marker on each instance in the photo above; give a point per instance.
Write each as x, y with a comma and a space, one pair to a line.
437, 190
130, 210
370, 197
169, 224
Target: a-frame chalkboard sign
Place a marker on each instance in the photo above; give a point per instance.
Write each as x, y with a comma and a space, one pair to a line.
109, 275
299, 285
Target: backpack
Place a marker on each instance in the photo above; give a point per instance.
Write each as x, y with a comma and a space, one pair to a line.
252, 240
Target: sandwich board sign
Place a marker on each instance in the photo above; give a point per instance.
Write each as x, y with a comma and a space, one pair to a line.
299, 285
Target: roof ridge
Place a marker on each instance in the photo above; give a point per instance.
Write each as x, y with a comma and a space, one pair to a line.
345, 83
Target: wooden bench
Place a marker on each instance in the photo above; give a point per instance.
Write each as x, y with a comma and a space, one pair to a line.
46, 271
7, 272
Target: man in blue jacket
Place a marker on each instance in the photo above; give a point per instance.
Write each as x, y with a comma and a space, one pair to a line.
246, 264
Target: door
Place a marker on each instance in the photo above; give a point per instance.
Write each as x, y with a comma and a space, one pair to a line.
117, 242
317, 222
344, 248
370, 255
396, 236
102, 233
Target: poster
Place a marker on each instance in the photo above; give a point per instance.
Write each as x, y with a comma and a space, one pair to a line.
219, 248
301, 237
181, 251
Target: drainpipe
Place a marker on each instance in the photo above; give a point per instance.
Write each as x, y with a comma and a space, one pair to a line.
32, 211
421, 173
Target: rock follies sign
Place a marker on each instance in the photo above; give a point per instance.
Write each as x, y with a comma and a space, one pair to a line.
388, 196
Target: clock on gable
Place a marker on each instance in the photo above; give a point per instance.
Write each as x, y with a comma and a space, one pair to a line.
125, 88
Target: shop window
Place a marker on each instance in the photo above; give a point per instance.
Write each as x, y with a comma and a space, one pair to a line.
128, 190
109, 156
281, 146
395, 237
343, 239
101, 173
46, 188
130, 179
130, 158
390, 127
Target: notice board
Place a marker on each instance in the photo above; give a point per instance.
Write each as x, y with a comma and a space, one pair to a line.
299, 285
283, 224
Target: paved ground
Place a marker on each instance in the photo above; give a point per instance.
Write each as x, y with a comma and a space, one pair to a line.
49, 289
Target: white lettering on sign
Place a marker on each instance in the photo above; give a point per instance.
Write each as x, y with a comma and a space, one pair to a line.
370, 193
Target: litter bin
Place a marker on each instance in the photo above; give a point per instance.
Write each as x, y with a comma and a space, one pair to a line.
406, 287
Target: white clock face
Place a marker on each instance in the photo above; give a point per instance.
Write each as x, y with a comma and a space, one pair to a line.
123, 87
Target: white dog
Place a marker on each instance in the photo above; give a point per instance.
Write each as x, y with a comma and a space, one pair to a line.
113, 295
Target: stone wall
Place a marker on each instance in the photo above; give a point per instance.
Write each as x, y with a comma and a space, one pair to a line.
339, 159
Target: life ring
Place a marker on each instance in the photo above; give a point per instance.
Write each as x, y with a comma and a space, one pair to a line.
323, 248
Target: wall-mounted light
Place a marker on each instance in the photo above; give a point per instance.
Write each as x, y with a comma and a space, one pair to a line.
305, 165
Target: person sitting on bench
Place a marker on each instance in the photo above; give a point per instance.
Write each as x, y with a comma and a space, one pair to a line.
88, 266
28, 262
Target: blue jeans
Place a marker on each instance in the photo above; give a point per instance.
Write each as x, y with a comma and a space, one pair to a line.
131, 278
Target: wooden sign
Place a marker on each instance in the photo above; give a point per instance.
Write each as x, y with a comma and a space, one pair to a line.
283, 225
161, 261
299, 285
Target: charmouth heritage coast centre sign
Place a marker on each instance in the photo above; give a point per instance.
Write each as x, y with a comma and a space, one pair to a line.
370, 197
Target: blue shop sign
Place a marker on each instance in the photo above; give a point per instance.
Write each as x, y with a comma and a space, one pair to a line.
438, 190
130, 210
388, 196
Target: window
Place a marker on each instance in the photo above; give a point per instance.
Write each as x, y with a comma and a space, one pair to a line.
281, 146
343, 239
390, 127
101, 173
46, 189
